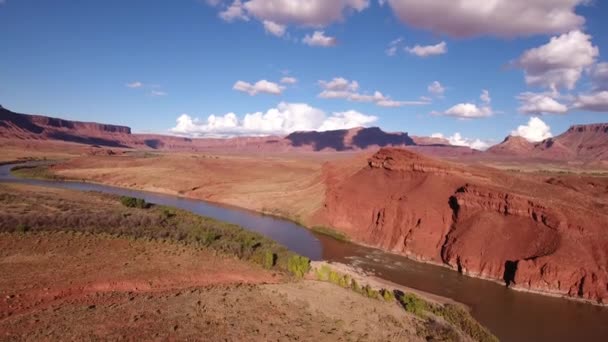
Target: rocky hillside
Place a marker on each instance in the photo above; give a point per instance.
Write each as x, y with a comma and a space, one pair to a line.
537, 234
579, 142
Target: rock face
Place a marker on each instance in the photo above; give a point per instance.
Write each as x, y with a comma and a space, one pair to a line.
22, 126
579, 142
512, 145
481, 222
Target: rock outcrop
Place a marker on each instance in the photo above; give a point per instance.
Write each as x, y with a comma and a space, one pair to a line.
481, 222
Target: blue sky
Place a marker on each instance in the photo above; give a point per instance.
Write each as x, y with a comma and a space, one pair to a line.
145, 63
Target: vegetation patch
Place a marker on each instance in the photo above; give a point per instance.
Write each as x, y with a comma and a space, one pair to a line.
298, 265
60, 210
132, 202
432, 314
330, 232
36, 172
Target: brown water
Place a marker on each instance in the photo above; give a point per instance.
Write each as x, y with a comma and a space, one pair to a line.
510, 315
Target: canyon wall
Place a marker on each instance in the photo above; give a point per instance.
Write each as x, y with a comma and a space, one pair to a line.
482, 222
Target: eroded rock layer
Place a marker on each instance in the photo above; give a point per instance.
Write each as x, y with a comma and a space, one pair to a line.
521, 230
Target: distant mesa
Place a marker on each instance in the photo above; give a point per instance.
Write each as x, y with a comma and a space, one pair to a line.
580, 142
353, 139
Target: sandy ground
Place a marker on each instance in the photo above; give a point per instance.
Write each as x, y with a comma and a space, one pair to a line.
285, 185
66, 286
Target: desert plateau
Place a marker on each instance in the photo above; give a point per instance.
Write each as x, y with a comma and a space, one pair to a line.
304, 170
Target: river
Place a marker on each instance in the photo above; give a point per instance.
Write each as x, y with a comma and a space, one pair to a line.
509, 314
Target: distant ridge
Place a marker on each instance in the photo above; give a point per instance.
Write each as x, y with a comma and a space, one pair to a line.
579, 142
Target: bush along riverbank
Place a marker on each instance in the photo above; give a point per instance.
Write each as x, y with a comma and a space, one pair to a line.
442, 321
134, 218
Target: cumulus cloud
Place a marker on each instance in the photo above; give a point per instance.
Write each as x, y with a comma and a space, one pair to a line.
284, 119
341, 88
436, 88
468, 111
503, 18
533, 103
535, 130
471, 110
319, 38
428, 50
236, 11
559, 63
339, 84
458, 140
133, 85
309, 13
262, 86
274, 28
594, 102
289, 80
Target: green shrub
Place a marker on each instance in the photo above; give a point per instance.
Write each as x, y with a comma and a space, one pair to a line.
323, 273
388, 295
22, 228
413, 304
355, 286
269, 259
462, 319
330, 232
298, 265
370, 292
344, 281
132, 202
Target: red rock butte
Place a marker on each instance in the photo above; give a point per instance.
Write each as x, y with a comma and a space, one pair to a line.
532, 234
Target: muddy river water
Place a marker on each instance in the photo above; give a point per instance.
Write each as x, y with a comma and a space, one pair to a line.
510, 315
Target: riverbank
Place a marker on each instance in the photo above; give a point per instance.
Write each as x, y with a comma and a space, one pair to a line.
63, 173
73, 271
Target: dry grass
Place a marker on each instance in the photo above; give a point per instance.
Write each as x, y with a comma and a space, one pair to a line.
290, 186
28, 208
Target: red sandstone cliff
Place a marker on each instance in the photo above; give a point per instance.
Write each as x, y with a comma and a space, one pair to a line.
481, 222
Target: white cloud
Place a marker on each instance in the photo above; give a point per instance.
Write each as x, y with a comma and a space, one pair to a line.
339, 84
346, 120
309, 13
158, 93
393, 47
284, 119
274, 28
135, 84
468, 111
428, 50
341, 88
599, 76
471, 110
458, 140
533, 103
503, 18
594, 102
289, 80
436, 88
262, 86
319, 38
485, 96
235, 11
535, 130
560, 62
